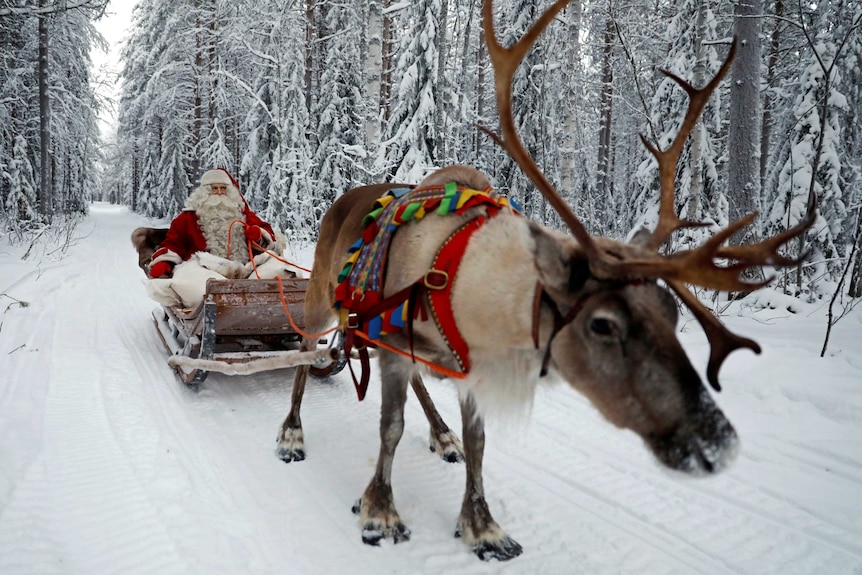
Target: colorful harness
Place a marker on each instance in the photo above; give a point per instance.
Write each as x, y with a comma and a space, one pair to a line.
366, 316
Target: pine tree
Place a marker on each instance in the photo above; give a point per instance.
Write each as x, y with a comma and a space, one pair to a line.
20, 198
340, 158
277, 161
409, 148
74, 124
532, 101
692, 40
813, 162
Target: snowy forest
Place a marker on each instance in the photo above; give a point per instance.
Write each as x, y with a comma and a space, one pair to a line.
302, 100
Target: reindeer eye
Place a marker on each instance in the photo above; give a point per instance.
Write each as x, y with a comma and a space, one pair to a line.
601, 326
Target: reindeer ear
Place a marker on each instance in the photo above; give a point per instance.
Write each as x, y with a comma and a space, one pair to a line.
641, 237
562, 266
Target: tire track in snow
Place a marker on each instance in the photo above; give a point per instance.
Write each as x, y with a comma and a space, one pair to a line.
213, 506
299, 497
197, 478
78, 458
678, 506
187, 470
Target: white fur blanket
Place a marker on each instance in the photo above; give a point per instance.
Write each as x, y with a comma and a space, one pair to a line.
187, 287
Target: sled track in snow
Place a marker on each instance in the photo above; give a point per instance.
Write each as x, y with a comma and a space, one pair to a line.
129, 471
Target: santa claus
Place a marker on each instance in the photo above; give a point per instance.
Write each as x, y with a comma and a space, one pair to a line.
210, 238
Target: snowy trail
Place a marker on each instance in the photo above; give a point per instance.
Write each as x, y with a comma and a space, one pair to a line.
108, 465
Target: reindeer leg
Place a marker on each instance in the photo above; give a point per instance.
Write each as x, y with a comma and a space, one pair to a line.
475, 524
291, 442
443, 441
376, 508
318, 314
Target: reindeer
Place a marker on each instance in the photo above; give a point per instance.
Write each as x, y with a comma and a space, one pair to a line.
585, 309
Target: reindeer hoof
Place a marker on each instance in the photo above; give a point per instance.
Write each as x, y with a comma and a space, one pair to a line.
291, 445
450, 457
502, 550
372, 533
495, 544
288, 455
377, 528
447, 446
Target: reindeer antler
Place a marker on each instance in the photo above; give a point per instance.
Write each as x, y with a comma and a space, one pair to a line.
698, 266
505, 61
668, 159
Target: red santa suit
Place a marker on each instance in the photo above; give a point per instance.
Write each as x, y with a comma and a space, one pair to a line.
205, 227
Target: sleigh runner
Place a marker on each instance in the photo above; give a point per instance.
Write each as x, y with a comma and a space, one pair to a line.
242, 326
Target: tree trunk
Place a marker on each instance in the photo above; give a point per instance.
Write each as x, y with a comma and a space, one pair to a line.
46, 191
695, 193
603, 175
197, 100
480, 92
439, 154
769, 99
855, 288
463, 145
743, 189
136, 177
373, 67
570, 105
212, 64
386, 65
309, 50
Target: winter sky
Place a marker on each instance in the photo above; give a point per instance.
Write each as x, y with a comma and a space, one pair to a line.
114, 26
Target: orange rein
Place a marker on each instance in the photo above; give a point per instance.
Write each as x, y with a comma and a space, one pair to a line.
251, 246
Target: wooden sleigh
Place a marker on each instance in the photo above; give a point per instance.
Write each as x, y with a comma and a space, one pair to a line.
241, 326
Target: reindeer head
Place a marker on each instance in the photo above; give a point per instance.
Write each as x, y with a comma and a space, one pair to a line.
614, 337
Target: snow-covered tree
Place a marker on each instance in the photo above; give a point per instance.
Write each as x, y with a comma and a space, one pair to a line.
277, 160
74, 107
340, 159
533, 100
409, 146
693, 55
814, 161
306, 99
48, 110
20, 197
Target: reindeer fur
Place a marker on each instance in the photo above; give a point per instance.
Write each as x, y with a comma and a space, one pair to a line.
620, 350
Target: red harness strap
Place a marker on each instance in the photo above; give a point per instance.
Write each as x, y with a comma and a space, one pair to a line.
437, 284
439, 281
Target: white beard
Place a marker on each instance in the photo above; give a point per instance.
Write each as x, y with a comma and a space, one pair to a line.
215, 214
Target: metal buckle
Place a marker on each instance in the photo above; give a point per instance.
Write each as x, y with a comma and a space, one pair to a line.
436, 279
352, 321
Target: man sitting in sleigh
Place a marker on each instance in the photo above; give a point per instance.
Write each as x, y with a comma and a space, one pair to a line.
217, 236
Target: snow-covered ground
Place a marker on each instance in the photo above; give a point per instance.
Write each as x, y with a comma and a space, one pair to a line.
108, 465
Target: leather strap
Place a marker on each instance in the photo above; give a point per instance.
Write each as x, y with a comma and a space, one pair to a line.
560, 320
357, 321
438, 284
